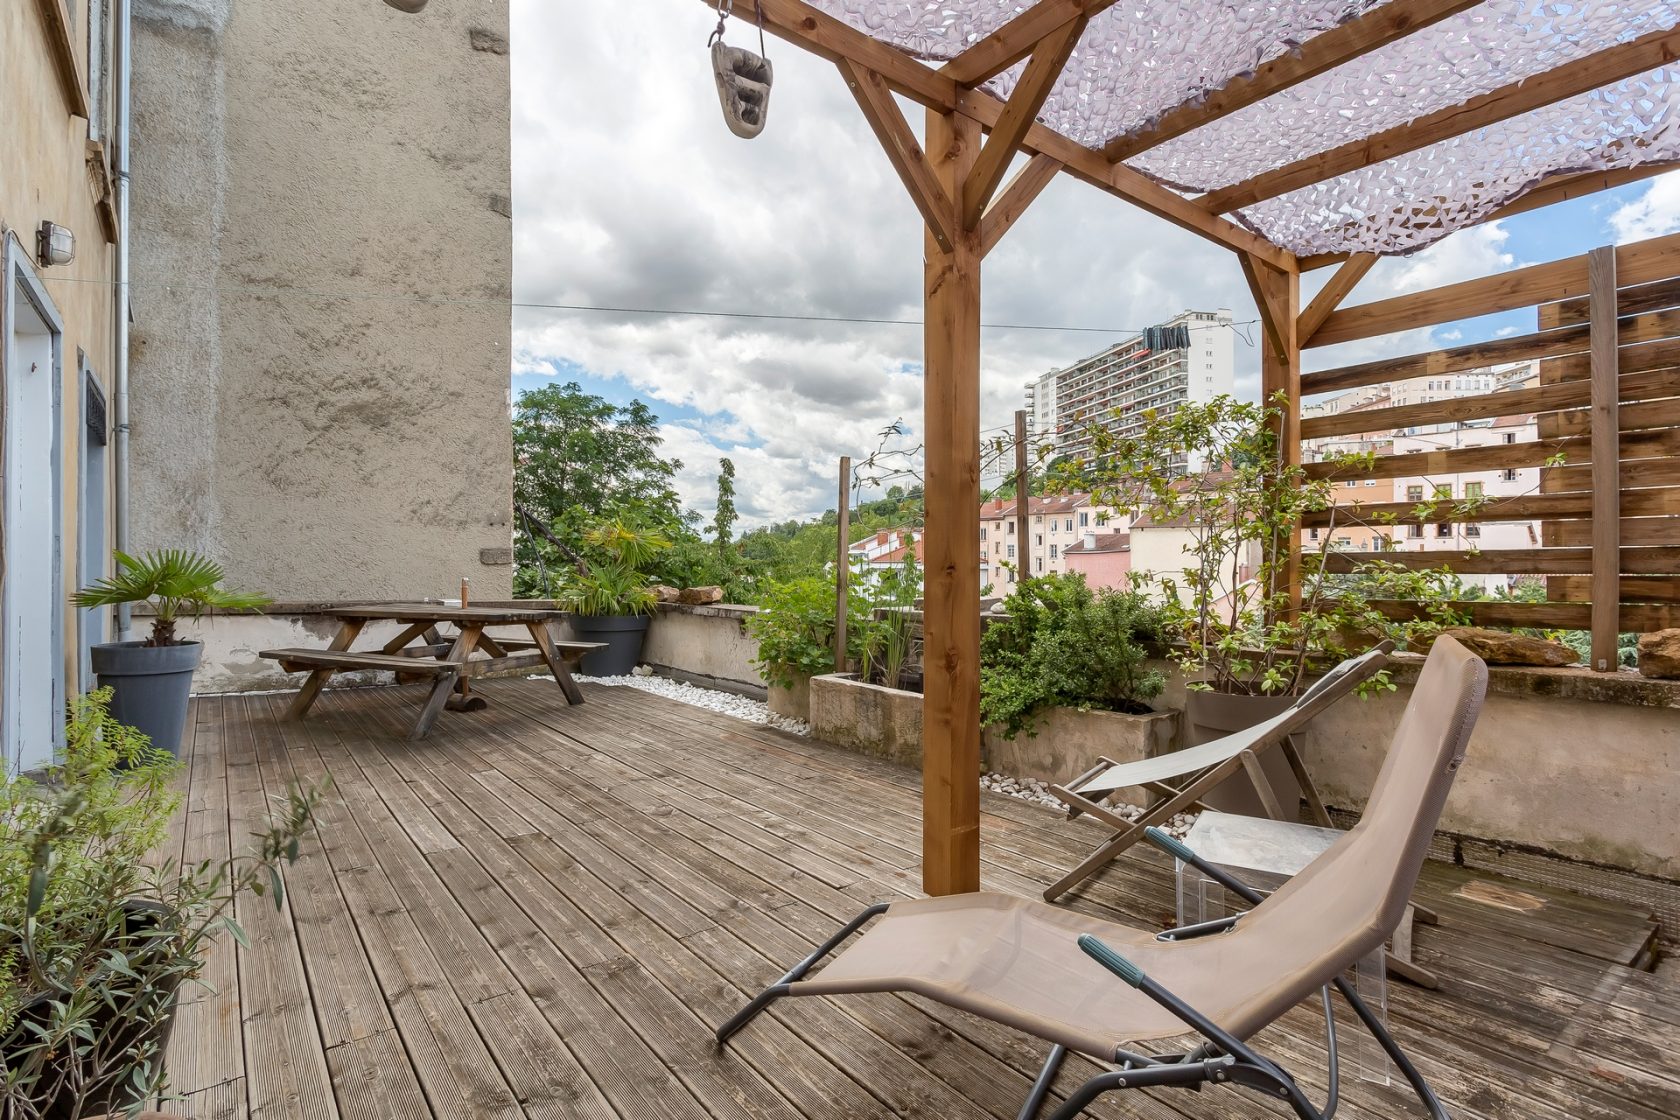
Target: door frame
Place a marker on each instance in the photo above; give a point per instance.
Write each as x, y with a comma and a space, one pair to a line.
20, 278
92, 479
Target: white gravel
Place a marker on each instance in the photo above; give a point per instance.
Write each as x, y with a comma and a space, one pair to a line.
713, 700
1038, 792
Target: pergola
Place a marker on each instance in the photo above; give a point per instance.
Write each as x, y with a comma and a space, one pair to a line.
1299, 134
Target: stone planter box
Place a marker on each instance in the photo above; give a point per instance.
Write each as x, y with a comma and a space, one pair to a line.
887, 723
792, 703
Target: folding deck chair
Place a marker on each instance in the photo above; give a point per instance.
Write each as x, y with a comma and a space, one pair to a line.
1197, 770
1123, 996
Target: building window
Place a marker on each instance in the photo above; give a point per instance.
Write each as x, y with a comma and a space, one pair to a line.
1084, 519
1038, 540
1472, 490
1011, 529
1508, 476
1443, 491
1472, 530
982, 532
1039, 563
1443, 530
1070, 524
1312, 534
1414, 493
1012, 552
1039, 520
1510, 437
1052, 552
1414, 531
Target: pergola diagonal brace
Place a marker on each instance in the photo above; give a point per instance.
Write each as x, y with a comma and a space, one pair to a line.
1335, 290
1019, 113
903, 151
1015, 198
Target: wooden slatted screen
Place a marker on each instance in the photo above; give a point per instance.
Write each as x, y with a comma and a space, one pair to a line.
1607, 413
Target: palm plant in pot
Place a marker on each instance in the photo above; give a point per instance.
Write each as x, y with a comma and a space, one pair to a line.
150, 680
611, 595
96, 937
1248, 625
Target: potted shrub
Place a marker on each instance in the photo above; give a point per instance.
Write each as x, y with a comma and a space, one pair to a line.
150, 680
794, 628
1074, 664
96, 941
1246, 647
611, 596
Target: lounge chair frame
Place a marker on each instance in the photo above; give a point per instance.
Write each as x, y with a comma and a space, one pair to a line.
1220, 1058
1173, 800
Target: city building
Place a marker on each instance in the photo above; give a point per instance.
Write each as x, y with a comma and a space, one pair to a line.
1187, 358
883, 550
1104, 559
1053, 525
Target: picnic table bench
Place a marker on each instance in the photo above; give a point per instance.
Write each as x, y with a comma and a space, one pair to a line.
420, 651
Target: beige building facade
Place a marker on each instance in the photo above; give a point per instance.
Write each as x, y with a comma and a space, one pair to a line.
57, 322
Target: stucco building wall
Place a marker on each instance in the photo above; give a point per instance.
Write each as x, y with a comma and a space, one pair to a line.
322, 268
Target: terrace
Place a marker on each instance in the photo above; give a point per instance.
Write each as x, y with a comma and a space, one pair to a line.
543, 911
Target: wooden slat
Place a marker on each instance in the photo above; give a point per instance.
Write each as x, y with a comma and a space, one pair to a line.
1455, 359
1647, 459
1629, 301
951, 417
1017, 195
1606, 488
1637, 263
1324, 51
1049, 56
1335, 290
903, 152
1631, 589
296, 660
1506, 561
1633, 473
1646, 414
1663, 532
1601, 68
1528, 507
1635, 617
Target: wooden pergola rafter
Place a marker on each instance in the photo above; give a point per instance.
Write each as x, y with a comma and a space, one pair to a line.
955, 175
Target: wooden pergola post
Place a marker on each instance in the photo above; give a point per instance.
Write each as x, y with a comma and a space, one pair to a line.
951, 601
1277, 293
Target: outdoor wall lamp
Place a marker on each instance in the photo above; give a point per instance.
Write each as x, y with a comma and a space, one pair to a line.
407, 5
54, 244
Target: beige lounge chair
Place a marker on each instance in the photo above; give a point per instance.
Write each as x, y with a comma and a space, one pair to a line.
1181, 779
1174, 1008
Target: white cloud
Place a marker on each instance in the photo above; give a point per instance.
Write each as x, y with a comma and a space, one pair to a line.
630, 192
1652, 214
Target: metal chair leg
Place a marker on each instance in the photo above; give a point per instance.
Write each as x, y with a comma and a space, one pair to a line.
780, 988
1041, 1087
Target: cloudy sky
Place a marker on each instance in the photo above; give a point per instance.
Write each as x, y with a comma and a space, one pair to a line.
630, 193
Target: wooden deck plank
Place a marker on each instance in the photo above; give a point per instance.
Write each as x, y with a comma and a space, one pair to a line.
541, 910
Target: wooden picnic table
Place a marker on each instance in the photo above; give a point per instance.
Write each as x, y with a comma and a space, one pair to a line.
421, 650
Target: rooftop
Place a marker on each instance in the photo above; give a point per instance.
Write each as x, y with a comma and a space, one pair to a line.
542, 912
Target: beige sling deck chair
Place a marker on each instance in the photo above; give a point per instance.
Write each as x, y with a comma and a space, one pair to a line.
1128, 997
1180, 779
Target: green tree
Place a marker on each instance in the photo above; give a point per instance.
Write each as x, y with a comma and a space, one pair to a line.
723, 521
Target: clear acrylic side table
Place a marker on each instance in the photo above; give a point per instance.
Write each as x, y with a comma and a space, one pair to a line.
1265, 854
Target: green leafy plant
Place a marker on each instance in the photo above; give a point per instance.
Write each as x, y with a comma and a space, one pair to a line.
885, 638
175, 582
614, 580
1061, 644
1232, 610
794, 628
95, 938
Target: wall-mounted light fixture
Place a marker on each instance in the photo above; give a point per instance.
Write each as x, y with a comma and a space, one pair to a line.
407, 5
54, 244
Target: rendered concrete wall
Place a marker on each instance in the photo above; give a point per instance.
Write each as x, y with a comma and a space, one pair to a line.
707, 645
322, 263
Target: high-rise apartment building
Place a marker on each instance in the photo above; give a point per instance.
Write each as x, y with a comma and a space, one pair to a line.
1187, 358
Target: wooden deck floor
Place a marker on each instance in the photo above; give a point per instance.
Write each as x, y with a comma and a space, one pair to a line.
542, 911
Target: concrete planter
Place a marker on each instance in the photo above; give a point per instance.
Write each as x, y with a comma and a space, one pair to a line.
1068, 742
1212, 715
793, 703
887, 723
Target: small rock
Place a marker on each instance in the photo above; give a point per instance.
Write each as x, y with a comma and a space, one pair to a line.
1497, 647
665, 594
697, 596
1659, 655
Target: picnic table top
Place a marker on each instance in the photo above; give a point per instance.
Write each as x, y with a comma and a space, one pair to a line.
439, 612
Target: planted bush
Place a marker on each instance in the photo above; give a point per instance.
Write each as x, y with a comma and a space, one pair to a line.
1064, 645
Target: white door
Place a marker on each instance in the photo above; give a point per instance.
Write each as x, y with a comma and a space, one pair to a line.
33, 647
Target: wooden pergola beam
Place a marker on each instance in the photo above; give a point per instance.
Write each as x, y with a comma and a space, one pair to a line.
829, 38
1322, 52
903, 151
1018, 38
1332, 294
1019, 113
1601, 68
1014, 200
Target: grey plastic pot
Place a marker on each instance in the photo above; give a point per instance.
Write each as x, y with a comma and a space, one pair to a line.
1210, 715
149, 686
622, 633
